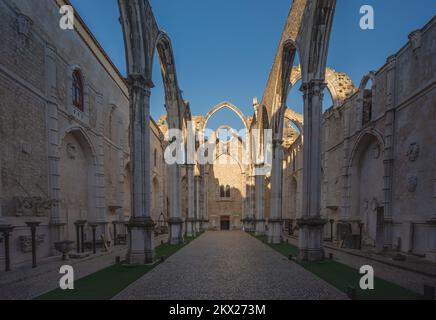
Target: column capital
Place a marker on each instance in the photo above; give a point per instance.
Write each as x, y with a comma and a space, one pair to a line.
314, 87
139, 81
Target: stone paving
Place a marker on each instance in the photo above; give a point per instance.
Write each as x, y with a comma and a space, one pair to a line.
25, 283
227, 266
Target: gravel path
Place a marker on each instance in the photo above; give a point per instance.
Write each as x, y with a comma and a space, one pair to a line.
229, 266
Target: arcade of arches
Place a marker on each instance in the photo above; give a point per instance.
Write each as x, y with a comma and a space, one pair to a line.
367, 164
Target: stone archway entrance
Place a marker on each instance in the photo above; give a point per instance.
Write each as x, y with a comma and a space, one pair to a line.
225, 223
77, 174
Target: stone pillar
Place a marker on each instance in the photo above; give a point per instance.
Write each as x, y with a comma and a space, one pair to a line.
260, 203
249, 209
190, 226
56, 222
388, 153
204, 208
141, 225
311, 224
175, 222
253, 202
432, 232
100, 193
1, 193
197, 181
275, 221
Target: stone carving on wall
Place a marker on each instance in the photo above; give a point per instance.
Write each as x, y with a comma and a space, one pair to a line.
33, 206
23, 25
26, 242
415, 40
376, 151
412, 183
413, 152
71, 151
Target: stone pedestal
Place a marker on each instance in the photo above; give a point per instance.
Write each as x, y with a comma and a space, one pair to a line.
33, 226
204, 225
176, 231
57, 233
310, 239
260, 227
190, 227
275, 228
140, 241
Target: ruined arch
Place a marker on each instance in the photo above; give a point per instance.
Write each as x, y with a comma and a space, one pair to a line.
223, 105
296, 118
365, 175
339, 84
366, 99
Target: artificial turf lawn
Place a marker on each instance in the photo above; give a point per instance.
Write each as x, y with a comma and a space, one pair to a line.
342, 276
107, 283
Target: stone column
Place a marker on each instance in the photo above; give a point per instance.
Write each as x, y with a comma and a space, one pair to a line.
253, 202
56, 222
1, 192
260, 203
311, 224
190, 226
204, 211
175, 222
197, 203
432, 223
249, 212
141, 225
275, 221
388, 153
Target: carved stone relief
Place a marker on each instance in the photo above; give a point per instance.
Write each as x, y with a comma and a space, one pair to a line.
33, 206
26, 242
413, 152
412, 183
71, 151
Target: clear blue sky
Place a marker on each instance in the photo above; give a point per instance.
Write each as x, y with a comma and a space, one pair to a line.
225, 49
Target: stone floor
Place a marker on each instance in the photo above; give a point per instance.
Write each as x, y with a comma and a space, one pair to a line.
25, 283
229, 265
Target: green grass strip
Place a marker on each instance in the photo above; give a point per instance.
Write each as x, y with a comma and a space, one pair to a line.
342, 276
108, 282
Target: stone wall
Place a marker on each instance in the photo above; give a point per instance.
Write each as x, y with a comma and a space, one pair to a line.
49, 149
387, 164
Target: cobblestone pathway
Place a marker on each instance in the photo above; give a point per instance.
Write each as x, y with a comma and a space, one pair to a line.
229, 265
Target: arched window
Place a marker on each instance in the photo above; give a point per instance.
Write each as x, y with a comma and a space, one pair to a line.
367, 95
222, 192
78, 90
228, 191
